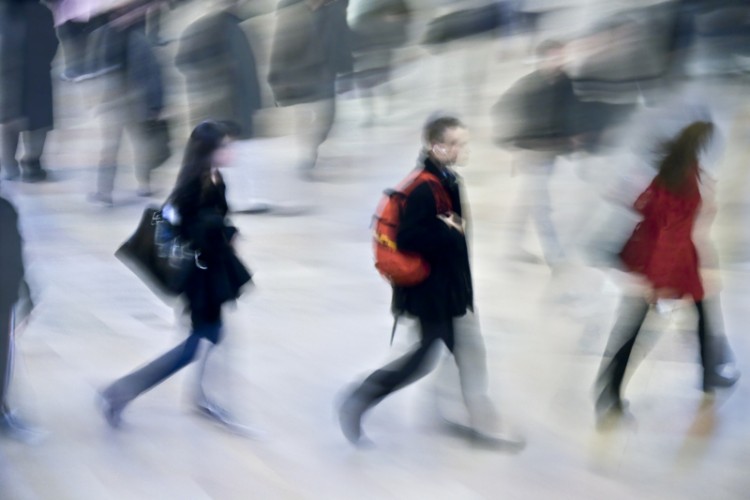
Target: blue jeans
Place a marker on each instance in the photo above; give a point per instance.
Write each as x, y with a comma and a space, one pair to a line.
124, 390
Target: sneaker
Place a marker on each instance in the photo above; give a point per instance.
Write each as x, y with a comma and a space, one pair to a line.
14, 428
717, 379
111, 412
222, 417
350, 419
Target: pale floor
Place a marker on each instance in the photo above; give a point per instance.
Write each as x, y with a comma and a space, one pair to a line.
318, 320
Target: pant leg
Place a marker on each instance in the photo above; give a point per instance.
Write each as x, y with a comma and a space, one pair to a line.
113, 130
314, 123
143, 154
149, 376
33, 145
533, 203
407, 369
470, 355
633, 311
538, 175
5, 354
9, 147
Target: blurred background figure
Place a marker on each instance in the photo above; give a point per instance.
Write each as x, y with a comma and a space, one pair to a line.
220, 71
13, 291
74, 24
538, 118
27, 46
311, 48
133, 102
661, 251
379, 28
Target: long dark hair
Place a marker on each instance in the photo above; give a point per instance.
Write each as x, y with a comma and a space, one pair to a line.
205, 139
679, 157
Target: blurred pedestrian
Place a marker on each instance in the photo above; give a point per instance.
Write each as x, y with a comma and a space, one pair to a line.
538, 116
433, 225
661, 251
198, 209
133, 102
219, 65
311, 48
27, 46
379, 29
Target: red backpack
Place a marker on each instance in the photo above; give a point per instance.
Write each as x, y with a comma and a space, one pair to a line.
398, 267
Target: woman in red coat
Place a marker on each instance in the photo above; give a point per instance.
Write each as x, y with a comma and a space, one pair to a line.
661, 251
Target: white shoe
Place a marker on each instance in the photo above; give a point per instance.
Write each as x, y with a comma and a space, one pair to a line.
18, 430
221, 416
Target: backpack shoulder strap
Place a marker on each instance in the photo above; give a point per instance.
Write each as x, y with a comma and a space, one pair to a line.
442, 198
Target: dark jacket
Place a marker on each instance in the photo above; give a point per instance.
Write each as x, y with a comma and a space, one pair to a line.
220, 70
11, 257
202, 205
137, 85
310, 49
28, 43
539, 112
448, 291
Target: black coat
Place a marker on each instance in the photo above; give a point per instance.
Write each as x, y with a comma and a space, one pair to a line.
28, 44
202, 206
310, 49
539, 112
447, 292
220, 70
11, 257
137, 86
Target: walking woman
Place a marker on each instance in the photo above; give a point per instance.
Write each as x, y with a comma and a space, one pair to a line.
662, 251
200, 207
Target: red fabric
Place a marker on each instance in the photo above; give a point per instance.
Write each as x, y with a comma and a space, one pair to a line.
399, 267
661, 246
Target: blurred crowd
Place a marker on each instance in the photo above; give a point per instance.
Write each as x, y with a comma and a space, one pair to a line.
620, 67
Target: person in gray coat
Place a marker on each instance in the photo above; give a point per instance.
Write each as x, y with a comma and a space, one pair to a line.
218, 62
28, 44
134, 99
311, 48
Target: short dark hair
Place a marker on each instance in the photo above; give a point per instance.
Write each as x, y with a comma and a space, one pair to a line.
434, 129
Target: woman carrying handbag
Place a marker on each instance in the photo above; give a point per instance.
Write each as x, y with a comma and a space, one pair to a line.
199, 208
662, 253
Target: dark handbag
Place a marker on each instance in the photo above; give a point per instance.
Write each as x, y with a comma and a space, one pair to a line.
156, 138
158, 255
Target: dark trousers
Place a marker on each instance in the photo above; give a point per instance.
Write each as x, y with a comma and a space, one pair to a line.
410, 367
5, 354
33, 145
463, 338
149, 376
622, 340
